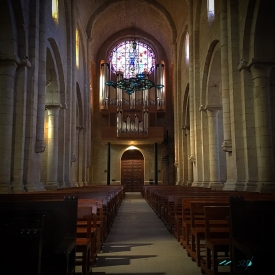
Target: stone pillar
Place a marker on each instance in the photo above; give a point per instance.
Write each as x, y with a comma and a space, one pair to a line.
227, 143
189, 163
80, 155
52, 167
20, 125
75, 164
73, 98
176, 114
109, 164
192, 157
263, 129
156, 163
214, 159
62, 148
40, 143
7, 80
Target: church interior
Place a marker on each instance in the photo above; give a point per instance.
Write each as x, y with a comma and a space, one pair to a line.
103, 98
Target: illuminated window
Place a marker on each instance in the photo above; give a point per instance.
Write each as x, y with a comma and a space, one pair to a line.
211, 9
132, 58
187, 47
55, 9
77, 47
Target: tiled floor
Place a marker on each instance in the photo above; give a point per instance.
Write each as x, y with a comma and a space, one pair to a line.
139, 243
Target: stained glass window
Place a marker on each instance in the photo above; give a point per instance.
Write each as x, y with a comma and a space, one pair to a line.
132, 58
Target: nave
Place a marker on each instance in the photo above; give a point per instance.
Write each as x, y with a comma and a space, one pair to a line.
139, 243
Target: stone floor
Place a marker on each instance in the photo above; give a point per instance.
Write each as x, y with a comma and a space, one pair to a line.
139, 243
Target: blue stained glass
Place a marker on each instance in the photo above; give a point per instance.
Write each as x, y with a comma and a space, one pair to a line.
132, 59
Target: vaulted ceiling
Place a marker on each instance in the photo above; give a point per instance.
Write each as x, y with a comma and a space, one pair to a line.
156, 22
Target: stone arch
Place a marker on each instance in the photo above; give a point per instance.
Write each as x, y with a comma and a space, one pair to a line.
54, 52
52, 81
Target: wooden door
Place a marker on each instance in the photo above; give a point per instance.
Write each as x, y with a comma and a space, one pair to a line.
132, 171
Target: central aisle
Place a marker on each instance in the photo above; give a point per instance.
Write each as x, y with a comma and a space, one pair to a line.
139, 243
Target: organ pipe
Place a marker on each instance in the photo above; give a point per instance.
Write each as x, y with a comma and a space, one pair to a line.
104, 89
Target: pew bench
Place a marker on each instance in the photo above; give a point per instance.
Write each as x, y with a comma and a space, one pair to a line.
252, 238
46, 235
216, 238
197, 228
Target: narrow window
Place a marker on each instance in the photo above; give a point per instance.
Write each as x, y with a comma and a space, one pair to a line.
55, 9
187, 47
211, 10
77, 48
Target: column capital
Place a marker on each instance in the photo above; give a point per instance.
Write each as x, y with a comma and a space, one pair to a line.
40, 146
264, 64
227, 146
15, 59
64, 106
192, 158
53, 105
210, 108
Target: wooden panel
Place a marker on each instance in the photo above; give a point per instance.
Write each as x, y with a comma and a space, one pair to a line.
113, 119
152, 119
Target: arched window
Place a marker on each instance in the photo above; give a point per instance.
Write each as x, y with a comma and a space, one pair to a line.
187, 47
131, 58
211, 9
77, 47
55, 9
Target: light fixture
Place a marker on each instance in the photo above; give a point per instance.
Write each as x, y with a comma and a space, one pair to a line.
133, 84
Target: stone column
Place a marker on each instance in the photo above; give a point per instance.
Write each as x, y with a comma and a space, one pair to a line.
156, 163
263, 127
109, 164
192, 157
80, 156
20, 125
189, 163
214, 159
73, 98
62, 148
75, 164
227, 143
7, 80
52, 171
40, 143
176, 112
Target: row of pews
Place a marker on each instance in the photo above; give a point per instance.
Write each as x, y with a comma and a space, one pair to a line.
47, 233
224, 232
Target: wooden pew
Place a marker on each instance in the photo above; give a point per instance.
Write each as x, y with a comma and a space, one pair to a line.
197, 228
108, 201
56, 248
84, 238
216, 237
252, 236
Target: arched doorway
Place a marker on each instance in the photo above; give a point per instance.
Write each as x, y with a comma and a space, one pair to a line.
132, 170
